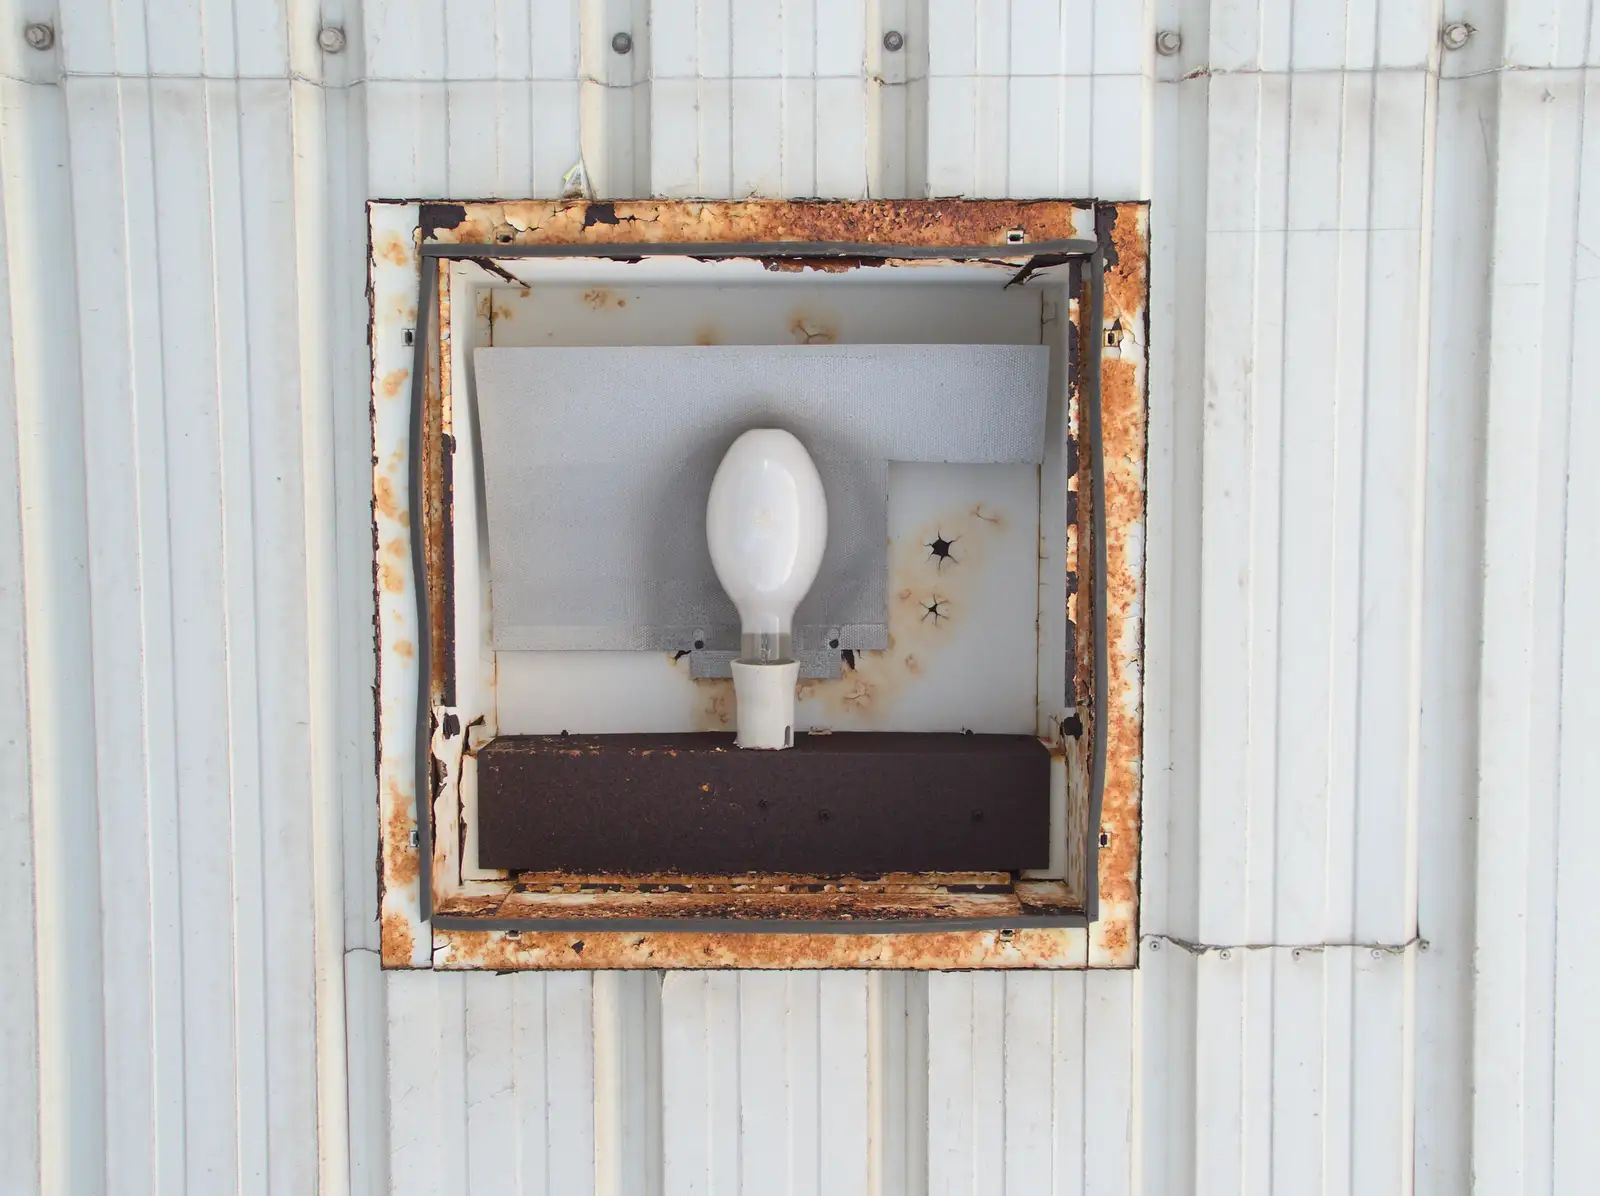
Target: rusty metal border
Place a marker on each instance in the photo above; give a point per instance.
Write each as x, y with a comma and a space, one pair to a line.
1029, 256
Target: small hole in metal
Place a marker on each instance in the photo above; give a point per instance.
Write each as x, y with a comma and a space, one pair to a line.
1105, 839
833, 643
408, 337
1016, 236
788, 737
699, 643
823, 815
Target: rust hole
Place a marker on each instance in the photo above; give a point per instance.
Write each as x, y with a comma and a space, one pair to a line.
939, 550
1105, 839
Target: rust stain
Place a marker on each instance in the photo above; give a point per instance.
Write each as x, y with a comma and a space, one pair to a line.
716, 704
601, 298
394, 580
404, 649
392, 248
930, 572
707, 334
812, 330
397, 942
393, 381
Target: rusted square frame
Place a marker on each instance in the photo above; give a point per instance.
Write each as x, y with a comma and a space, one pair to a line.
823, 236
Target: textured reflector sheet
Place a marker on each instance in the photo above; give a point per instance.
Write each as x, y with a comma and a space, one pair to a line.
598, 462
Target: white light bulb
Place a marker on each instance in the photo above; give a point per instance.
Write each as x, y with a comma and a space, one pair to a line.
766, 526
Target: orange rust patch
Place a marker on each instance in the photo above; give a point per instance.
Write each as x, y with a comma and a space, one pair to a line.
400, 858
707, 335
388, 506
601, 298
392, 248
397, 942
404, 648
1114, 937
393, 381
394, 580
913, 665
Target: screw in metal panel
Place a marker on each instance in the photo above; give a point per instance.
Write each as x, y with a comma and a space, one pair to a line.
894, 40
622, 43
1376, 953
414, 839
1456, 35
1296, 953
1168, 42
1224, 954
40, 35
1155, 944
331, 39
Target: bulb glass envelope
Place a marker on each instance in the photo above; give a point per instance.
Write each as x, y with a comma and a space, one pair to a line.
439, 908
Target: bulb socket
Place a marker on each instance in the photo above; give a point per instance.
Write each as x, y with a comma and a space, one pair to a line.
764, 697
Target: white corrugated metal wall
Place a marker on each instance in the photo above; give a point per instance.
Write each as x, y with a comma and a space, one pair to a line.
1372, 651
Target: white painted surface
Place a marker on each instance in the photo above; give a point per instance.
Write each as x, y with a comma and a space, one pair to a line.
1370, 648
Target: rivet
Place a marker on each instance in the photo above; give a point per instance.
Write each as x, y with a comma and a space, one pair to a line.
893, 40
1456, 35
1155, 944
331, 39
1377, 954
622, 43
1224, 954
1168, 42
1296, 953
39, 35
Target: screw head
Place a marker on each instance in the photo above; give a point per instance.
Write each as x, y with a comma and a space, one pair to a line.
40, 35
1168, 42
1296, 953
1377, 954
1155, 944
1456, 35
1224, 954
331, 39
622, 43
893, 41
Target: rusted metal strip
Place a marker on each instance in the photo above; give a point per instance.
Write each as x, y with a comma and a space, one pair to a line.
845, 804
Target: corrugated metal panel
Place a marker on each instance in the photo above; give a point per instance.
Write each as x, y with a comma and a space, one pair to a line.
1370, 613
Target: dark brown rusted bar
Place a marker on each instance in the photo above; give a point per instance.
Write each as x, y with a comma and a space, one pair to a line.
842, 804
